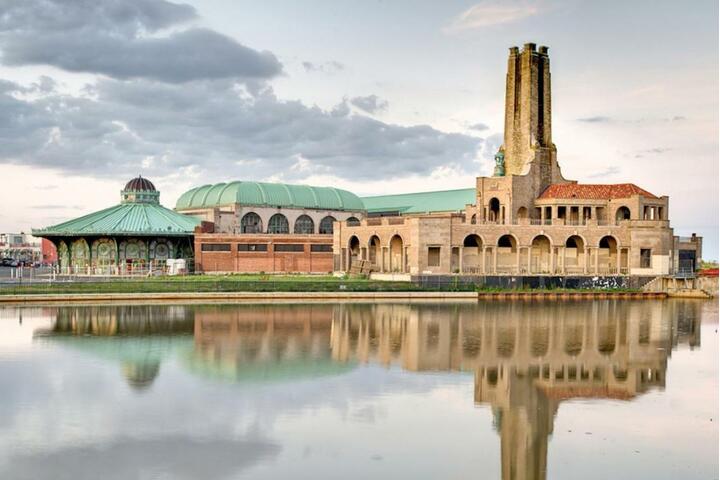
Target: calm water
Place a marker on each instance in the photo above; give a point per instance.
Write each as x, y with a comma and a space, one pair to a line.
602, 389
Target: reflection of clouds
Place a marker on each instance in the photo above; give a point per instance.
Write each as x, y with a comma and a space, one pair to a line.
176, 457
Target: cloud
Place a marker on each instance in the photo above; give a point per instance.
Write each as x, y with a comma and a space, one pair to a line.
652, 151
212, 129
493, 12
325, 67
117, 39
595, 119
57, 207
371, 104
478, 127
609, 171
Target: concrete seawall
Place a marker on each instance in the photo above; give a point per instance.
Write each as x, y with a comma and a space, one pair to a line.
321, 296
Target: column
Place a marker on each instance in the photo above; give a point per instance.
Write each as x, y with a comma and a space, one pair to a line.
619, 256
562, 259
517, 259
529, 249
552, 259
597, 260
542, 215
484, 255
461, 249
585, 259
495, 254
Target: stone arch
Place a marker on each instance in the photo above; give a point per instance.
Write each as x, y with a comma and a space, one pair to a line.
472, 252
251, 223
326, 225
622, 213
494, 210
574, 253
80, 253
374, 250
353, 222
397, 254
473, 219
508, 241
607, 253
507, 249
354, 249
540, 254
278, 224
522, 213
304, 225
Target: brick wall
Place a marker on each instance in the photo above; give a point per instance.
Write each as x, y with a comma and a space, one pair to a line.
269, 261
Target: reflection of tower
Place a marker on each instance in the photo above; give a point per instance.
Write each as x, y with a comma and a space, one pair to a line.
527, 358
140, 375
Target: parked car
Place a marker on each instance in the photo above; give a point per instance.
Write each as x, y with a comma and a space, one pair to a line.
8, 262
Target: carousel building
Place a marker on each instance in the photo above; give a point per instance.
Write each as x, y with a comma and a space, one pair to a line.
137, 235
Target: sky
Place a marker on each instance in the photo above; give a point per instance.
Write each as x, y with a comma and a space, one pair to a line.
375, 97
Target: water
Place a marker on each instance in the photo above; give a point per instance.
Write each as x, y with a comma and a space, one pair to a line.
562, 390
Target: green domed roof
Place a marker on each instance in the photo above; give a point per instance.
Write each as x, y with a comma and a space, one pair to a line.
270, 195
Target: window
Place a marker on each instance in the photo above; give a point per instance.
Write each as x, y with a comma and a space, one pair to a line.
304, 225
252, 247
289, 247
326, 225
353, 222
320, 248
433, 256
251, 223
645, 258
215, 247
278, 224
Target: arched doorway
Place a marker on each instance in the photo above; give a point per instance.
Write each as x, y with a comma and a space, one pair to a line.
506, 254
472, 254
396, 254
540, 255
623, 213
522, 213
494, 210
574, 256
374, 251
353, 250
607, 254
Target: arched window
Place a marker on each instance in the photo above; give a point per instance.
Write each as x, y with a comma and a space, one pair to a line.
353, 222
494, 210
278, 224
304, 225
507, 241
326, 225
623, 213
251, 223
473, 219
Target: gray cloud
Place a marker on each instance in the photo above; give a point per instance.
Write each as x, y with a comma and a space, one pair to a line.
215, 129
609, 171
595, 119
113, 38
652, 151
478, 126
57, 207
371, 104
324, 67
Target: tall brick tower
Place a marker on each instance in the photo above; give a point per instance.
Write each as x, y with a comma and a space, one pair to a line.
528, 146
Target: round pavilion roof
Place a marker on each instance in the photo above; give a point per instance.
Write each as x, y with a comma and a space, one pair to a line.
139, 184
269, 195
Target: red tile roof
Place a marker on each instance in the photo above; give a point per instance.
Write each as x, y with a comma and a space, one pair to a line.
594, 192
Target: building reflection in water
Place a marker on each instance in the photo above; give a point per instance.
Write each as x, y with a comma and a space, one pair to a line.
526, 357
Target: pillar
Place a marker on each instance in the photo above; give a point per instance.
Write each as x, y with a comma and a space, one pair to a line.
597, 260
529, 249
552, 259
495, 255
542, 215
484, 255
619, 256
461, 250
585, 259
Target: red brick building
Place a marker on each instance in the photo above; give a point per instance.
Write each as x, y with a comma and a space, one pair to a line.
253, 253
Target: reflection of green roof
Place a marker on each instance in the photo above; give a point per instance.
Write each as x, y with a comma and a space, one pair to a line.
154, 348
126, 219
423, 202
269, 194
266, 372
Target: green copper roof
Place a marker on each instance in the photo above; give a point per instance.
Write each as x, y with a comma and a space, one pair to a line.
269, 194
126, 219
423, 202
